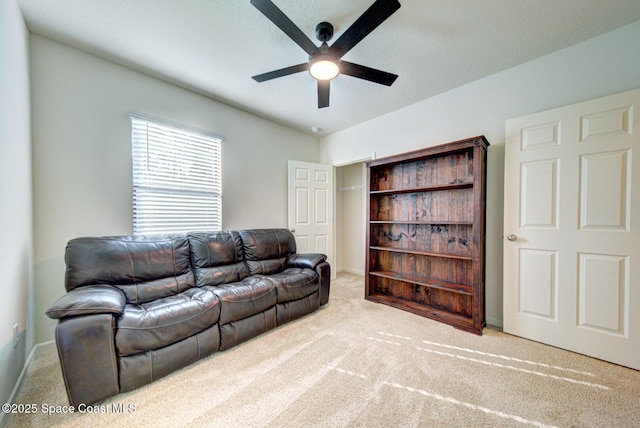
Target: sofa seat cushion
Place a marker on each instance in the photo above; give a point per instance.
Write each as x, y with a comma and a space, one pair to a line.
242, 299
295, 283
162, 322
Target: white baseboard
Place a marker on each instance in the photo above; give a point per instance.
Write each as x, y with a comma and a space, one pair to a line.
27, 363
353, 271
494, 321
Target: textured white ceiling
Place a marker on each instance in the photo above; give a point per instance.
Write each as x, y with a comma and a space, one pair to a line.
215, 46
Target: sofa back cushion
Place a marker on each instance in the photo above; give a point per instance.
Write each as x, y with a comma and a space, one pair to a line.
145, 268
217, 257
266, 250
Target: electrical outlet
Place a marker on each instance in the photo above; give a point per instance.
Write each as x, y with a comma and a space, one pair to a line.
16, 335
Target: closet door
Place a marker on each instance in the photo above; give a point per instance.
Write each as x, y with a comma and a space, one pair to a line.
572, 228
310, 207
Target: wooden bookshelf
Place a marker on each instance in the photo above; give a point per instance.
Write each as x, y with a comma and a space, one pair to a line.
426, 230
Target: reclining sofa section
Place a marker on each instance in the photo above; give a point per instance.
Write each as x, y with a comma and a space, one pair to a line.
140, 307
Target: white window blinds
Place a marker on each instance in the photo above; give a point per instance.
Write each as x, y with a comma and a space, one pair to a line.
176, 178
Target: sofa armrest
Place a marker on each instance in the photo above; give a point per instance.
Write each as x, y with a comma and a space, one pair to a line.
317, 262
86, 348
309, 260
92, 299
324, 271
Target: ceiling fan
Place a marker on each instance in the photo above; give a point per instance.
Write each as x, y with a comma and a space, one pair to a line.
325, 61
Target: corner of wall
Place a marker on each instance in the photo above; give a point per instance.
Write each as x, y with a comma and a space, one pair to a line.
16, 210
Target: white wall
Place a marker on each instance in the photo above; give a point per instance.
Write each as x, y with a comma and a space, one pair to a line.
350, 219
601, 66
16, 232
82, 155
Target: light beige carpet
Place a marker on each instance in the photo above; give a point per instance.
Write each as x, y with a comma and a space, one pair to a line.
360, 364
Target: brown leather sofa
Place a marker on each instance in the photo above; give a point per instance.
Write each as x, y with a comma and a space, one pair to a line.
138, 308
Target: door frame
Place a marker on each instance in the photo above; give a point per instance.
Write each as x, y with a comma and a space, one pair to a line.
364, 200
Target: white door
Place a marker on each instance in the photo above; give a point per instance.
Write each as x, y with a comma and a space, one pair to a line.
311, 207
572, 228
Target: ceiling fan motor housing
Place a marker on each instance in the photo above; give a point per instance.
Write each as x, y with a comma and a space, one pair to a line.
324, 31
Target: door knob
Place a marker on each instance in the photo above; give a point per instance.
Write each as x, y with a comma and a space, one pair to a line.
512, 238
293, 230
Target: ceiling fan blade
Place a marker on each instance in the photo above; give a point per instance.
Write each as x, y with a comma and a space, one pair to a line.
283, 22
367, 73
281, 72
368, 21
323, 93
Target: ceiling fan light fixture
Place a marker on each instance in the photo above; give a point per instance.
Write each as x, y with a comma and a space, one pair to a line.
324, 67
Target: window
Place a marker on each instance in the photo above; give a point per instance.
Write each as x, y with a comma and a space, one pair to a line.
176, 178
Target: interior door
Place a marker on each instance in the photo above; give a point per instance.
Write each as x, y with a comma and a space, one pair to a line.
311, 207
572, 228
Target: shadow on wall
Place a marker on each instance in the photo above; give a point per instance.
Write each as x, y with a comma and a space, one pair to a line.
494, 231
49, 286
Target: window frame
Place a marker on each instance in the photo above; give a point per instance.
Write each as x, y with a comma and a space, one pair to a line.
176, 177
